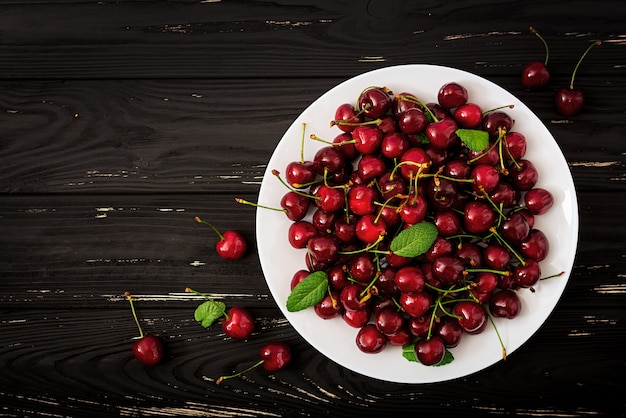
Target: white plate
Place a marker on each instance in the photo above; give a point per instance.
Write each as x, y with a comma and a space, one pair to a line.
334, 338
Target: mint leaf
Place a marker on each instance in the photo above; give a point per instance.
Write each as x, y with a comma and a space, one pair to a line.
415, 240
207, 312
474, 139
408, 352
447, 359
308, 292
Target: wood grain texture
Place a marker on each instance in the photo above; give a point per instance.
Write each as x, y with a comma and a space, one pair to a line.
121, 121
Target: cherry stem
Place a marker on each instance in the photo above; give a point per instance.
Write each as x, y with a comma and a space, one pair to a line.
276, 173
222, 378
200, 221
499, 337
245, 202
552, 276
195, 292
302, 143
486, 270
571, 84
413, 99
510, 106
545, 44
132, 308
507, 245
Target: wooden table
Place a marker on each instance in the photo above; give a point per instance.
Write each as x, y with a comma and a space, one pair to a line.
121, 121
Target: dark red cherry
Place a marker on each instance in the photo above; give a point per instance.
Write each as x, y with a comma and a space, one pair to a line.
412, 121
496, 122
148, 350
295, 205
374, 102
452, 95
448, 268
389, 320
394, 145
370, 228
505, 304
538, 201
471, 316
351, 298
449, 330
468, 115
409, 279
363, 268
514, 229
298, 276
514, 145
370, 166
357, 319
329, 307
300, 232
275, 356
414, 160
442, 134
232, 245
447, 222
362, 200
486, 177
479, 216
370, 340
415, 303
430, 352
238, 323
535, 74
527, 274
347, 117
330, 159
523, 174
569, 101
343, 142
496, 256
300, 173
536, 246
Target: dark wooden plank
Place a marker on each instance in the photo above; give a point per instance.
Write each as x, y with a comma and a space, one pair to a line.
226, 39
86, 353
108, 136
88, 250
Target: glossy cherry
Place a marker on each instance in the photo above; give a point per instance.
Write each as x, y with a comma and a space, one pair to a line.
430, 351
505, 304
374, 102
274, 357
471, 316
536, 74
232, 245
238, 323
452, 95
148, 349
370, 339
538, 201
570, 101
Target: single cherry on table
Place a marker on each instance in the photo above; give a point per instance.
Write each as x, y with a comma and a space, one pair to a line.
148, 349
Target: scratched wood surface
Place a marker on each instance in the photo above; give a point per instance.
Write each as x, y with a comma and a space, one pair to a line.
121, 121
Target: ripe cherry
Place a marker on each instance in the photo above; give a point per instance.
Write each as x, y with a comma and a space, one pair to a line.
442, 134
505, 304
468, 115
471, 316
497, 122
300, 232
535, 74
295, 205
367, 139
374, 102
536, 246
415, 303
329, 307
347, 117
274, 356
452, 95
538, 201
299, 173
570, 101
409, 279
527, 274
356, 319
232, 245
148, 349
238, 323
430, 351
449, 330
479, 217
412, 121
370, 340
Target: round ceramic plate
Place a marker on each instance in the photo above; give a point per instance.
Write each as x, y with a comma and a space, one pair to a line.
334, 338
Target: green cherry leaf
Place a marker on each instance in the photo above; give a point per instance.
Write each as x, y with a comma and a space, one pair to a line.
474, 139
447, 359
408, 352
308, 292
415, 240
209, 311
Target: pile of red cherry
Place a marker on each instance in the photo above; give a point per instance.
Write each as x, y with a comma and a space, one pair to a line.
446, 177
